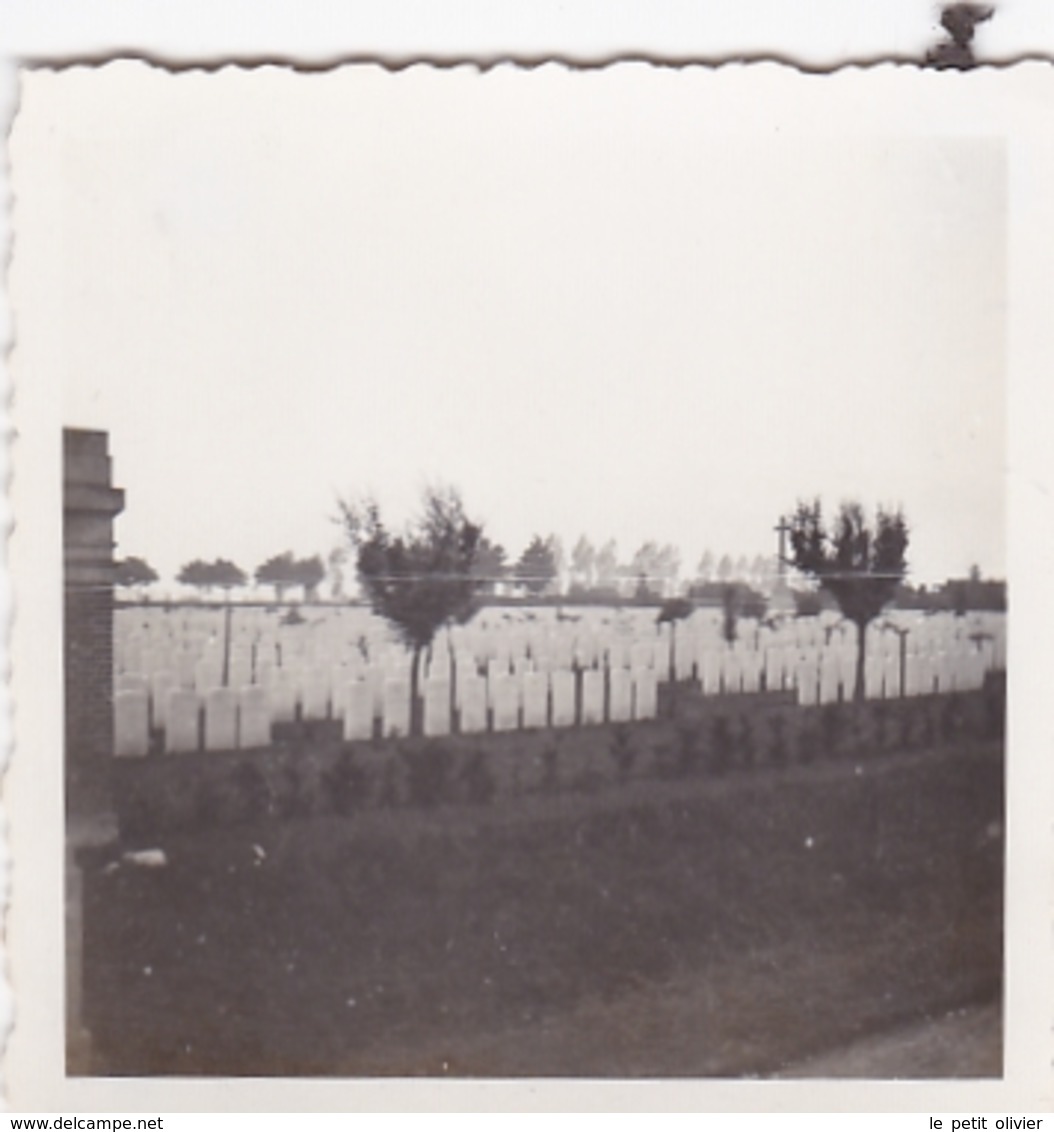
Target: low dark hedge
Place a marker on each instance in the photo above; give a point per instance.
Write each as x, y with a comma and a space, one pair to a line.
314, 772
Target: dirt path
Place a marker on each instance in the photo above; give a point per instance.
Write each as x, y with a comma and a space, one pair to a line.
963, 1043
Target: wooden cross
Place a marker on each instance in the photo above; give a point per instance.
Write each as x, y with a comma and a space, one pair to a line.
782, 528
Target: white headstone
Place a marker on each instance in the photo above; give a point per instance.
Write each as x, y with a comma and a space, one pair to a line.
645, 694
161, 683
874, 676
314, 693
396, 718
562, 686
592, 696
282, 691
504, 694
186, 664
131, 723
254, 717
774, 662
642, 655
683, 653
750, 663
731, 671
830, 678
536, 699
472, 702
181, 712
208, 674
708, 666
807, 678
221, 720
358, 710
131, 682
620, 695
240, 671
436, 706
439, 664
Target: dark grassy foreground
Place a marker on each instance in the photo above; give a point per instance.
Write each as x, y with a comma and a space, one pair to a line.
686, 927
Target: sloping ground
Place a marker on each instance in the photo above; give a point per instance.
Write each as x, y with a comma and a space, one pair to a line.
689, 927
967, 1042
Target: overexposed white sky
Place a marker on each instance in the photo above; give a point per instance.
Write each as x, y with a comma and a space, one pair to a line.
588, 300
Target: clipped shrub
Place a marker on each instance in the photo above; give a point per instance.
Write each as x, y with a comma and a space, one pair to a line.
252, 794
778, 742
744, 741
476, 779
346, 783
388, 788
689, 753
206, 804
623, 753
137, 816
880, 715
952, 718
427, 773
550, 768
832, 727
721, 745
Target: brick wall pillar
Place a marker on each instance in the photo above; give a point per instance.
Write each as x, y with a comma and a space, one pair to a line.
90, 505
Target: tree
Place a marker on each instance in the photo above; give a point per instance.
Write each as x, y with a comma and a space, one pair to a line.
206, 575
336, 560
489, 567
556, 550
226, 575
309, 573
279, 571
860, 565
705, 570
644, 566
605, 565
421, 579
134, 572
730, 612
536, 568
675, 609
583, 559
668, 565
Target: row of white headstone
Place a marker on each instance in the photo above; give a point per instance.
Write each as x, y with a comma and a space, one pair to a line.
229, 719
319, 663
191, 646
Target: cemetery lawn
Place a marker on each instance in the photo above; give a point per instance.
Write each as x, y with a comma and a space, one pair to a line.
687, 927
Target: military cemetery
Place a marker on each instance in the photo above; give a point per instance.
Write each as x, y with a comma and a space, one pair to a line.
535, 593
502, 671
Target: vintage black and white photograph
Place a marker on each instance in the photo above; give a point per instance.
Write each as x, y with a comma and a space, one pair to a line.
534, 572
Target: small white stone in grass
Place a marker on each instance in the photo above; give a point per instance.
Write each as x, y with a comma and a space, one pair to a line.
351, 1002
260, 854
150, 858
148, 970
201, 939
859, 770
809, 843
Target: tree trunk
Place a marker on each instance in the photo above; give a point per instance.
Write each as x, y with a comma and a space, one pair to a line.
861, 661
415, 711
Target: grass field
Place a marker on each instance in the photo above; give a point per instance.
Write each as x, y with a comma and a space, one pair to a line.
695, 927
